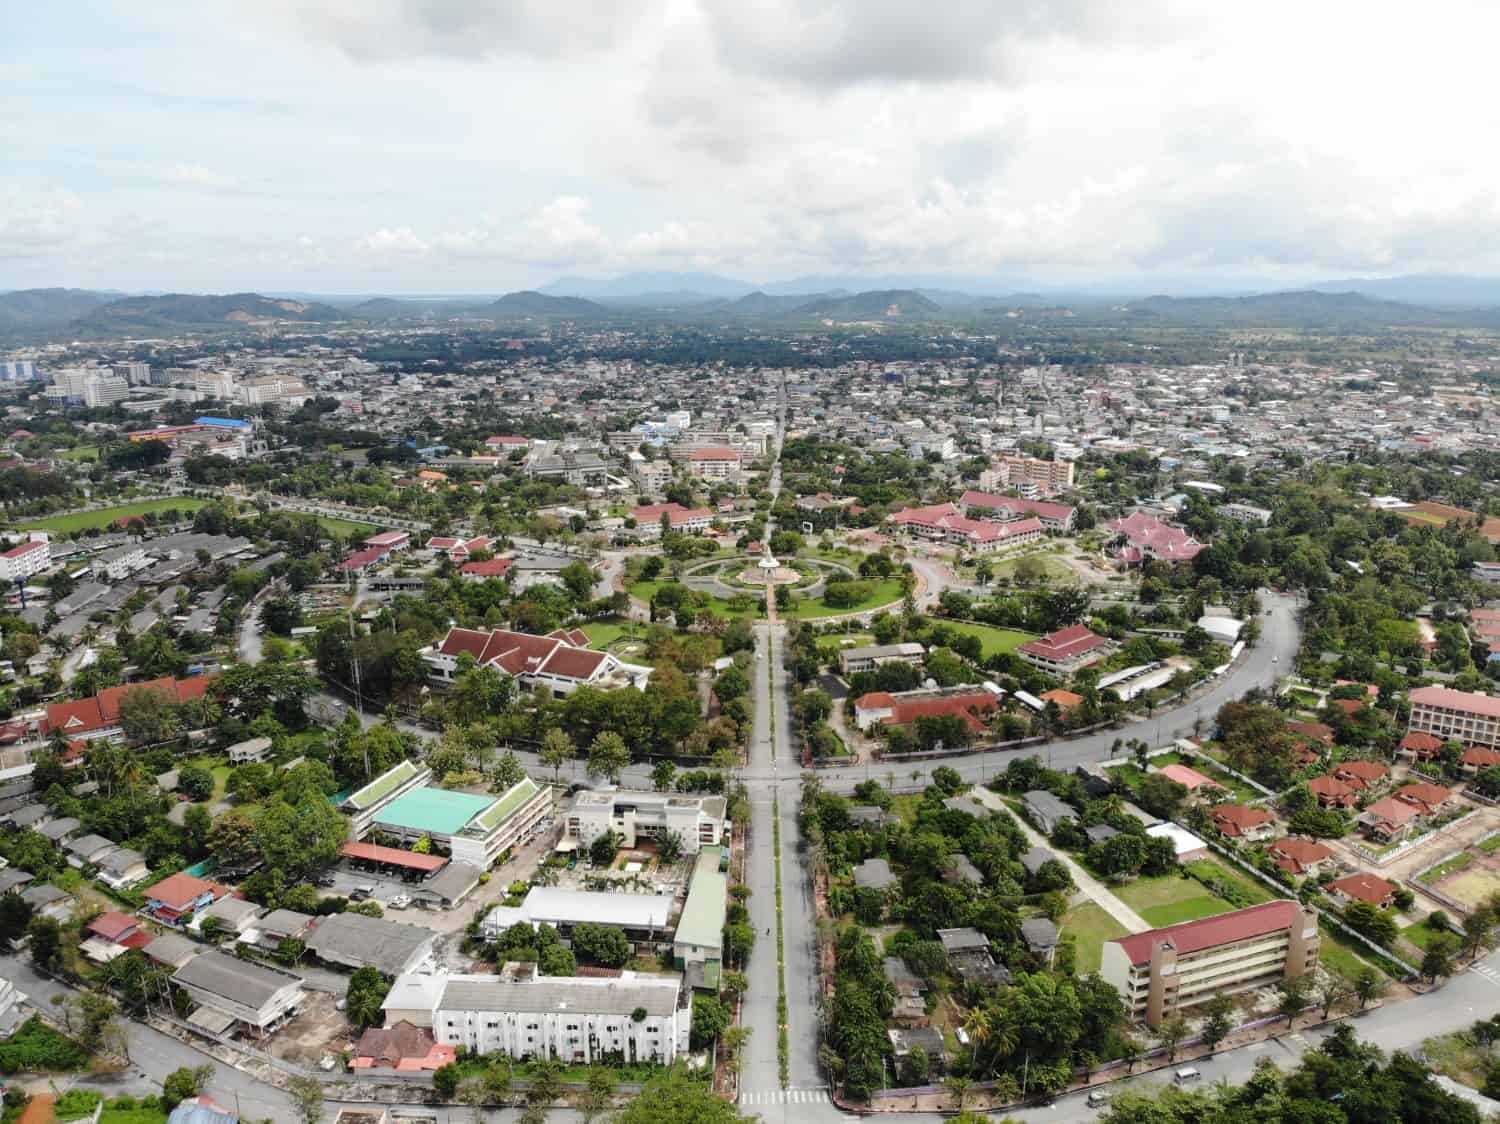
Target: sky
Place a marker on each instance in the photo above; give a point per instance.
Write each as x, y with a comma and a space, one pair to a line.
457, 146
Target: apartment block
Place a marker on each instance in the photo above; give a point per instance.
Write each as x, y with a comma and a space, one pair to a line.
1162, 971
699, 820
1465, 716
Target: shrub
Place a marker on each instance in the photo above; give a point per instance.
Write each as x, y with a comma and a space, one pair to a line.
37, 1048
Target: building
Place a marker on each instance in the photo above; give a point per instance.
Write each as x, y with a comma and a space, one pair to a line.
118, 564
26, 560
1450, 715
1246, 513
1390, 818
1058, 518
1145, 538
646, 919
1160, 972
946, 523
905, 707
19, 370
490, 568
1190, 779
1306, 858
574, 1019
122, 868
232, 991
1047, 810
389, 541
698, 945
1367, 888
472, 828
250, 750
1241, 821
852, 661
201, 1110
635, 815
98, 717
357, 941
716, 463
1066, 651
874, 874
551, 661
180, 895
1185, 845
682, 520
401, 1047
1030, 476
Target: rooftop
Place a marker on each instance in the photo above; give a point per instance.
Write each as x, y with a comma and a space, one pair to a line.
1210, 932
439, 811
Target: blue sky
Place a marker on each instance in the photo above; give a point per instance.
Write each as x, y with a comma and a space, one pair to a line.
450, 146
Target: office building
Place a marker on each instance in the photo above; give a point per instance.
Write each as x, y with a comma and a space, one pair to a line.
634, 815
1465, 716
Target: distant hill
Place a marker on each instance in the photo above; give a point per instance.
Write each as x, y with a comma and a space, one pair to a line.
529, 302
764, 304
1431, 290
1303, 308
177, 309
872, 305
40, 308
652, 286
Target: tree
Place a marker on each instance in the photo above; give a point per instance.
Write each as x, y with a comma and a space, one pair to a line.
44, 936
604, 848
15, 916
184, 1084
231, 839
1374, 923
1293, 1000
555, 960
669, 846
1477, 927
1172, 1031
959, 1085
445, 1080
1368, 986
710, 1018
280, 615
366, 992
1219, 1022
1329, 990
509, 771
599, 1094
1438, 958
196, 782
676, 1099
557, 751
662, 775
609, 756
148, 716
604, 945
289, 950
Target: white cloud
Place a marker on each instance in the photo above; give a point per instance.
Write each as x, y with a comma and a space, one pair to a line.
196, 175
397, 241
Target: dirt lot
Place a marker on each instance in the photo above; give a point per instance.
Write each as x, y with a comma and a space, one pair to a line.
319, 1028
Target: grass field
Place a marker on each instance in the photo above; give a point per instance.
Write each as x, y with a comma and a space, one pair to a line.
1090, 927
1168, 899
1446, 867
829, 646
1473, 887
602, 634
82, 521
1338, 954
884, 593
716, 605
992, 641
1419, 934
1055, 568
346, 527
81, 453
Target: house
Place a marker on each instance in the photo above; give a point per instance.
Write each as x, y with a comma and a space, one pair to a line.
402, 1047
874, 874
487, 570
929, 1039
1420, 746
910, 1008
122, 868
12, 878
1040, 935
852, 661
356, 941
87, 850
448, 887
1479, 758
959, 871
1145, 538
1362, 887
1163, 971
1390, 818
1065, 701
1320, 732
230, 992
1331, 792
1187, 846
549, 661
1363, 775
1429, 799
389, 541
180, 895
1046, 810
49, 901
970, 958
1241, 821
1306, 858
201, 1110
902, 708
1100, 833
1195, 782
1066, 651
282, 924
234, 916
250, 750
172, 951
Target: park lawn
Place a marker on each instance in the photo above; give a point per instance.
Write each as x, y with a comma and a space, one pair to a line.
83, 520
81, 453
1419, 934
1089, 926
884, 593
992, 641
1446, 867
602, 634
830, 646
1054, 568
346, 527
1168, 899
716, 605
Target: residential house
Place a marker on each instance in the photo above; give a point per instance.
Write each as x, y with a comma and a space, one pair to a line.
1195, 782
551, 661
1242, 821
356, 941
230, 991
852, 661
1420, 746
1389, 818
1066, 651
179, 896
910, 1008
122, 868
401, 1047
1046, 810
1330, 792
1363, 887
1306, 858
874, 874
1362, 776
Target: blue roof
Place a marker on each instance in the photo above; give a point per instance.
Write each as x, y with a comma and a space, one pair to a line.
232, 423
192, 1112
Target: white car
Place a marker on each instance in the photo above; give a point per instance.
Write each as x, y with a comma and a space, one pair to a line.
400, 901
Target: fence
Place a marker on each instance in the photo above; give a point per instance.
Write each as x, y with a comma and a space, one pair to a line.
1380, 858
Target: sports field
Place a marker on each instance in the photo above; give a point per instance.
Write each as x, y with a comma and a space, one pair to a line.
1473, 887
105, 516
992, 640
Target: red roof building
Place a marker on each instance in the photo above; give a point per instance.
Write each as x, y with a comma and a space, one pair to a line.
554, 661
393, 856
681, 519
1390, 818
1479, 758
970, 708
1420, 746
1299, 856
1427, 798
1065, 651
113, 926
1317, 731
945, 522
99, 716
1054, 516
1241, 821
1465, 716
1148, 538
1361, 775
1065, 700
178, 895
1367, 888
401, 1046
1188, 777
362, 560
489, 568
1332, 792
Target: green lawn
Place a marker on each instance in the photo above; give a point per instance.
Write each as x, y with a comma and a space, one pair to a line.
1255, 892
716, 605
992, 641
1447, 866
1162, 760
602, 634
829, 646
346, 527
884, 593
1129, 775
1491, 845
1419, 934
82, 521
1337, 955
1168, 899
80, 453
1090, 926
1054, 568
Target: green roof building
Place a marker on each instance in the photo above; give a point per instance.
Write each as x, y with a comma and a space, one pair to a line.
476, 828
698, 947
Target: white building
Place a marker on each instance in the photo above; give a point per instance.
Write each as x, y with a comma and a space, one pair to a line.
31, 557
633, 815
19, 370
1246, 513
561, 661
119, 563
569, 1018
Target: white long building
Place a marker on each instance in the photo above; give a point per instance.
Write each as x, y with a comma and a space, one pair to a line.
635, 815
569, 1018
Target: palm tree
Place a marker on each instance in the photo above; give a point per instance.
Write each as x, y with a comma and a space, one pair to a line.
979, 1027
959, 1086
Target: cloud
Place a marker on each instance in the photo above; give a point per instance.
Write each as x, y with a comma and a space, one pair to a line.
388, 241
33, 226
383, 30
196, 175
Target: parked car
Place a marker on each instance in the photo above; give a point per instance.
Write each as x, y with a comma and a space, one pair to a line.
327, 880
400, 901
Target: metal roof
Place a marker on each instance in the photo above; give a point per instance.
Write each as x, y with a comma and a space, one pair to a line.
615, 996
702, 920
557, 906
438, 811
353, 938
239, 981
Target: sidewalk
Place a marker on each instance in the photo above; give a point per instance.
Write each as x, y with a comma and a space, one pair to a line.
1086, 882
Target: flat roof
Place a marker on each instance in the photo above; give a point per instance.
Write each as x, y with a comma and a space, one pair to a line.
554, 905
702, 920
437, 810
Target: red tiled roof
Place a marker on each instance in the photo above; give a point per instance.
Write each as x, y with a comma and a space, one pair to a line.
363, 558
962, 706
24, 549
1191, 778
489, 568
573, 663
1065, 700
875, 700
1427, 795
1210, 932
1420, 742
112, 925
1392, 811
1301, 852
103, 710
1481, 758
1469, 702
718, 453
1318, 731
1365, 888
1236, 819
1365, 773
393, 856
1146, 531
179, 889
574, 636
948, 517
1064, 644
1330, 787
1040, 508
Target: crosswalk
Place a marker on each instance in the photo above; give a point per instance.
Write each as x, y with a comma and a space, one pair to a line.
1486, 971
784, 1096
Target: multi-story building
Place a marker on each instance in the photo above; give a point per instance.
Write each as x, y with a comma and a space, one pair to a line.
683, 520
944, 522
868, 658
1066, 651
1162, 971
87, 386
719, 463
136, 374
19, 370
31, 557
1030, 476
1056, 517
632, 815
1465, 716
1247, 513
1146, 538
119, 563
574, 1019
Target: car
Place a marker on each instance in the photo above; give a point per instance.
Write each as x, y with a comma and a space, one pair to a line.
400, 901
358, 894
327, 880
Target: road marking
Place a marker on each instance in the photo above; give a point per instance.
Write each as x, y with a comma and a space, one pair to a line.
784, 1096
1486, 972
